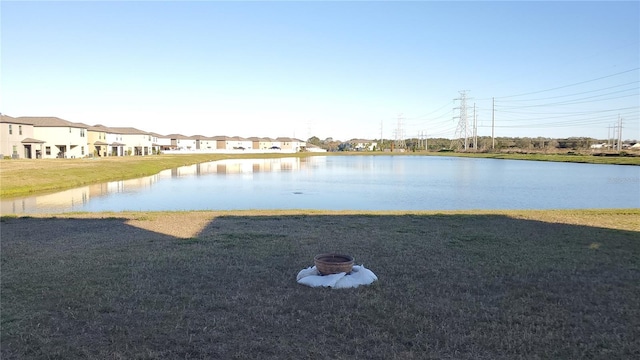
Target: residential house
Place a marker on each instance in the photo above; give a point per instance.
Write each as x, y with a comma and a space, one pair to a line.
162, 142
239, 143
62, 138
313, 148
204, 143
363, 144
115, 141
17, 139
137, 142
263, 143
181, 142
97, 141
291, 144
232, 143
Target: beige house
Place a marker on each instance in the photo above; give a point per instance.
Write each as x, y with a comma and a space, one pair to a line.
52, 137
17, 139
60, 138
232, 143
291, 144
97, 141
263, 143
114, 140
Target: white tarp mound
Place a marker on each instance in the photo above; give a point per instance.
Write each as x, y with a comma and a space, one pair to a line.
359, 276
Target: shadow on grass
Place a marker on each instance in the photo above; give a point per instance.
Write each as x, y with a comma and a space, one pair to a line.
450, 286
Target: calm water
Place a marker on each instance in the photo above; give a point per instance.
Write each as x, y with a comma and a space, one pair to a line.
358, 183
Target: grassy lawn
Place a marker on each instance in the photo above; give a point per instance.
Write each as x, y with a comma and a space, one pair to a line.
221, 285
633, 159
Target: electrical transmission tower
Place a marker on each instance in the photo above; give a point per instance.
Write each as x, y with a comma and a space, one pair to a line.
462, 130
399, 134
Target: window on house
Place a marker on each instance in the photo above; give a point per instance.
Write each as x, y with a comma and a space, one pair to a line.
82, 150
19, 129
10, 130
47, 150
15, 149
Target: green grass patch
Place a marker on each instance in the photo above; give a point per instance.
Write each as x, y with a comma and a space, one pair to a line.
463, 285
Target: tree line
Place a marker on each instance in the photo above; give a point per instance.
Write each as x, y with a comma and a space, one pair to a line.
484, 144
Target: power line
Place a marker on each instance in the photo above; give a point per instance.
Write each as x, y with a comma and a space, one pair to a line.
574, 84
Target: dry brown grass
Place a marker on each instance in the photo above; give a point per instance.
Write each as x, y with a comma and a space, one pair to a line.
207, 285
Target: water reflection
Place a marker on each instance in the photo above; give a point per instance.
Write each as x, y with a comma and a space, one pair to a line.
77, 199
354, 183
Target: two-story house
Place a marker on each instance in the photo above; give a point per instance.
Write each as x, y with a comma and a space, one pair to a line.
182, 142
204, 143
17, 139
61, 138
136, 142
97, 141
291, 144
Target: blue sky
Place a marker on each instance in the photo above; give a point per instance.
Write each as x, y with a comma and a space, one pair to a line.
328, 69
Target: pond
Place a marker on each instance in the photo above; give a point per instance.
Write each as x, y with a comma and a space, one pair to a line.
354, 183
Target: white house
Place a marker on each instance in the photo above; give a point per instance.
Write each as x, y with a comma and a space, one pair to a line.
162, 142
181, 142
204, 143
363, 144
136, 142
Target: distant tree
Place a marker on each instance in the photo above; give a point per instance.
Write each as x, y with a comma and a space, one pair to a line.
314, 140
523, 143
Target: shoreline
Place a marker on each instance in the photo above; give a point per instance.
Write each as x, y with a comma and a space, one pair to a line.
41, 176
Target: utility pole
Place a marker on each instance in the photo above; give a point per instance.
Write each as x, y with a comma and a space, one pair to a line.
426, 145
619, 133
475, 129
493, 123
381, 138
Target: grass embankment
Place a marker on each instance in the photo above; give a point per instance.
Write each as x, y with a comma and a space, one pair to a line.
577, 158
221, 285
25, 177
